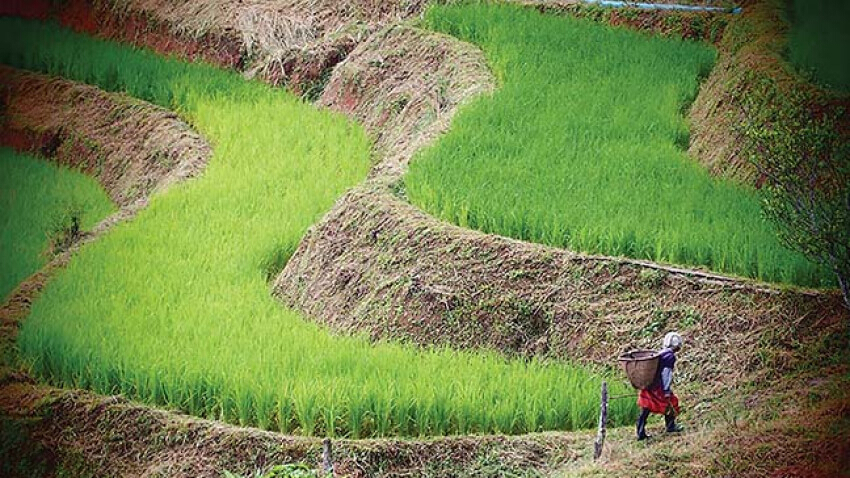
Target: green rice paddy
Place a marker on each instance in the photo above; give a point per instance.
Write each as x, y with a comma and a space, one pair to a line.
173, 307
818, 40
37, 201
582, 147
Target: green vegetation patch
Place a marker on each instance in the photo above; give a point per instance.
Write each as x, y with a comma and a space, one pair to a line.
582, 147
818, 41
173, 307
43, 207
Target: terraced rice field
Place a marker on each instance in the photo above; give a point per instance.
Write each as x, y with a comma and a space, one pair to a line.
38, 200
579, 146
173, 307
582, 147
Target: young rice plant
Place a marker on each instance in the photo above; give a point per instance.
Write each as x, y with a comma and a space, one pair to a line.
173, 307
582, 147
39, 204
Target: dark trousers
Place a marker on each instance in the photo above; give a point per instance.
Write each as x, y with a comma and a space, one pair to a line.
669, 421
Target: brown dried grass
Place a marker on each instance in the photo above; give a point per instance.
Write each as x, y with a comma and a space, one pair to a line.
280, 38
322, 17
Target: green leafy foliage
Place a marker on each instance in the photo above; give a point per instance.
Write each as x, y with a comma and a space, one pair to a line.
805, 162
173, 307
41, 204
581, 147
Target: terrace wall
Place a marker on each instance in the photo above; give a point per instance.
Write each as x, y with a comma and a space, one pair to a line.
83, 434
752, 85
131, 147
699, 26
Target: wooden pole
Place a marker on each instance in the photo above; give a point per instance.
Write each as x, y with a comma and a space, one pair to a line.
327, 457
603, 419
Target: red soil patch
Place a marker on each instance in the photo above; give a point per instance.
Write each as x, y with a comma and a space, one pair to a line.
304, 72
19, 140
55, 144
98, 19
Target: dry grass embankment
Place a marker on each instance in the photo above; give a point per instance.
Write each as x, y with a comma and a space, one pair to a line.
700, 26
49, 429
404, 85
752, 85
131, 147
292, 42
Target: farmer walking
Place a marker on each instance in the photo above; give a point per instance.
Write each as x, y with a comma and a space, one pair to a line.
659, 397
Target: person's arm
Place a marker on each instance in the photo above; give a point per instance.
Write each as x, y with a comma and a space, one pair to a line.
667, 380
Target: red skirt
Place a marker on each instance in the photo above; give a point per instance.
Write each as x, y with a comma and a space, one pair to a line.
656, 402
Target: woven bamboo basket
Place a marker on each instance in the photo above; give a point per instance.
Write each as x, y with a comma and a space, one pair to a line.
641, 367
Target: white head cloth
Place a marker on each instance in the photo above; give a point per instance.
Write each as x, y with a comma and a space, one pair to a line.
673, 341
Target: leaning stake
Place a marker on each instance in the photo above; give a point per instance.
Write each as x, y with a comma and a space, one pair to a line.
327, 457
603, 418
